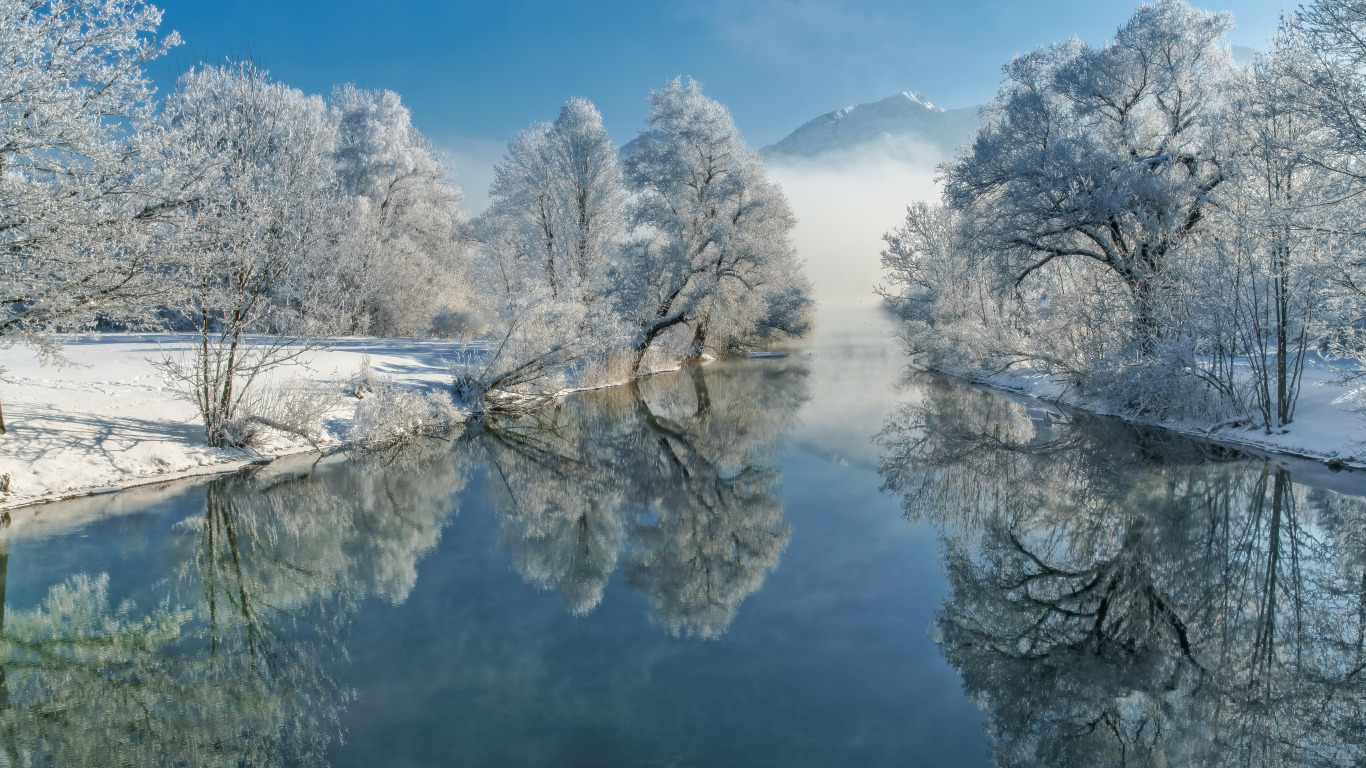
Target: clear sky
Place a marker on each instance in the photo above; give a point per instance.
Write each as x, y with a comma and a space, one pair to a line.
475, 72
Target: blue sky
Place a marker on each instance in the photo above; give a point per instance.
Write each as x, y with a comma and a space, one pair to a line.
474, 73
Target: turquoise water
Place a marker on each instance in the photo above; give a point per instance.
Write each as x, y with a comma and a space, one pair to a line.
812, 561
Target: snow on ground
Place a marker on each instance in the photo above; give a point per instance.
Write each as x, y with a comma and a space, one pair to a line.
1325, 426
113, 419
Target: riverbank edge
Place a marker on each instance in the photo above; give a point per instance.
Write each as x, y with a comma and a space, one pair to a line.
230, 465
1329, 459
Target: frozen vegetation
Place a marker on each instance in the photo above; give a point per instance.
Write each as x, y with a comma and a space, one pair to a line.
1148, 228
255, 225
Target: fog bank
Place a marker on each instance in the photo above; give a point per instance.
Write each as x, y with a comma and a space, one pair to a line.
844, 204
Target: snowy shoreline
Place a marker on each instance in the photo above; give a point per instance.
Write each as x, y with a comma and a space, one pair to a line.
112, 420
1325, 430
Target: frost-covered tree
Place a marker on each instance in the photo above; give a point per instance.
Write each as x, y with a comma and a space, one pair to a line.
71, 79
716, 269
942, 287
399, 263
1273, 223
258, 157
555, 219
1151, 225
551, 235
1103, 154
1332, 69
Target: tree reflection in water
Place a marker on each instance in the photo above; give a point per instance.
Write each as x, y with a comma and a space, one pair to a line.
1123, 597
676, 478
229, 668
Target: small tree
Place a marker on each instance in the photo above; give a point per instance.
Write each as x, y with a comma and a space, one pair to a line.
1273, 221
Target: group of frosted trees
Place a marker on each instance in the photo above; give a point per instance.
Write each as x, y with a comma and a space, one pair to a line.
240, 209
597, 264
259, 218
1168, 232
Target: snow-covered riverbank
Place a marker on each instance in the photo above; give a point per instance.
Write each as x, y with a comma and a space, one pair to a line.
1326, 428
113, 420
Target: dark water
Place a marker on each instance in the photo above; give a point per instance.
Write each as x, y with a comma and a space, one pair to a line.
720, 567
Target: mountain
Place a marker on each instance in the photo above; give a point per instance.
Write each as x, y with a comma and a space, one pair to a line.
904, 116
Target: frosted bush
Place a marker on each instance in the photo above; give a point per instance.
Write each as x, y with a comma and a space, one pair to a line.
297, 407
364, 380
392, 415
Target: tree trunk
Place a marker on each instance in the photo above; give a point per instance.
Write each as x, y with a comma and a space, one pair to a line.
1282, 296
2, 420
699, 341
641, 349
700, 391
1147, 329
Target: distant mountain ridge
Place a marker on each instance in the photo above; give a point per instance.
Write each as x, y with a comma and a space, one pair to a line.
906, 115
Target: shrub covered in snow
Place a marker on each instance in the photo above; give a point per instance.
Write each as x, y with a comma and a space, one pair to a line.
392, 414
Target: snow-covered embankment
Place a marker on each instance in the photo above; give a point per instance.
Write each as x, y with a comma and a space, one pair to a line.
113, 419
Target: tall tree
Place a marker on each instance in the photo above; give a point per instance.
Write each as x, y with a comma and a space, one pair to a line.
258, 155
400, 262
71, 79
551, 235
1105, 154
719, 263
556, 204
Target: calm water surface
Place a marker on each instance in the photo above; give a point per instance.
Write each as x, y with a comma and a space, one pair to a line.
814, 561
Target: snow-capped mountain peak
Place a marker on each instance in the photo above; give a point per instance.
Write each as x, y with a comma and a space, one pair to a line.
902, 116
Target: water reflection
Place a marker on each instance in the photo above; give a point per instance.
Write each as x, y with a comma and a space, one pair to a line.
227, 665
226, 657
1121, 597
675, 479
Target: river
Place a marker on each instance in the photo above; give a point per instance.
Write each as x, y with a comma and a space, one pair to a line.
817, 560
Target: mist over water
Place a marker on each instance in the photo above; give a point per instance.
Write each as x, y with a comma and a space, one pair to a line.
844, 203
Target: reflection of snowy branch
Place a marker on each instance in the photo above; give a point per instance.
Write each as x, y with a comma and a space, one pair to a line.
676, 474
1119, 595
